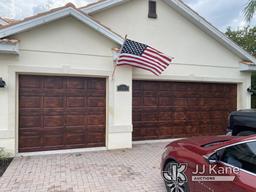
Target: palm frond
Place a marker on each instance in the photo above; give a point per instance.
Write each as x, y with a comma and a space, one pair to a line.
250, 10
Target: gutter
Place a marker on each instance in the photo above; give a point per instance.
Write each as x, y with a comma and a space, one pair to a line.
9, 46
247, 68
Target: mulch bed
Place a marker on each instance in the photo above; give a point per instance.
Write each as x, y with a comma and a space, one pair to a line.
4, 163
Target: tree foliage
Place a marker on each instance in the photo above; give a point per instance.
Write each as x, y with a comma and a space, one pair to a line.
250, 10
246, 38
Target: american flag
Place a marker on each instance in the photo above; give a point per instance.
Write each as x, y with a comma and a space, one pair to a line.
143, 56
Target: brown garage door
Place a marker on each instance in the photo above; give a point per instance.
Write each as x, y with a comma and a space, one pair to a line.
172, 109
61, 112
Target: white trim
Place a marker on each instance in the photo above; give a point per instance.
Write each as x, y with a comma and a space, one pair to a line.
186, 78
247, 68
101, 6
13, 103
121, 129
58, 71
204, 65
65, 151
9, 48
189, 14
93, 24
7, 134
155, 141
69, 11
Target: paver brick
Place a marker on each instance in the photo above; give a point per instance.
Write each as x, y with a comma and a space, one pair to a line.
130, 170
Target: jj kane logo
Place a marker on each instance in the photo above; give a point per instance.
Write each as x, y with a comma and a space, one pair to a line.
176, 180
175, 177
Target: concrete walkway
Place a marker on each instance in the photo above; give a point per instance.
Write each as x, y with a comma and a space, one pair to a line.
131, 170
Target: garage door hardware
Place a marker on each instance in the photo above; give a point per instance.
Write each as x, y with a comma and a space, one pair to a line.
2, 83
252, 90
123, 88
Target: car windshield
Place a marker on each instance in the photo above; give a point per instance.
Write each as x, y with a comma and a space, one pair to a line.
242, 156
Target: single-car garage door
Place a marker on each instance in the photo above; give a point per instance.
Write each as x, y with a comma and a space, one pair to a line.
61, 112
173, 109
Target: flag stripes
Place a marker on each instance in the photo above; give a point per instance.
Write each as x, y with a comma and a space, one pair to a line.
143, 56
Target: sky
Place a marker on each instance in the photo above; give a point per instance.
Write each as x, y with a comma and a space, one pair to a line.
221, 13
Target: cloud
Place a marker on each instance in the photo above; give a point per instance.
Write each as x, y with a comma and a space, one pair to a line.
221, 13
19, 9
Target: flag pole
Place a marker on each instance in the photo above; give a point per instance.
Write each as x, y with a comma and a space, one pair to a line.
113, 73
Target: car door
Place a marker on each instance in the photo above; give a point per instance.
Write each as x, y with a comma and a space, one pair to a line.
241, 157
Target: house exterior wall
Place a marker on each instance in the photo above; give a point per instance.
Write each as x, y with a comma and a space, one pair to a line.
68, 47
198, 57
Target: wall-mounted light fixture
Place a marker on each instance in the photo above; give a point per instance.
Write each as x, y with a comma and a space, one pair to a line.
2, 83
252, 90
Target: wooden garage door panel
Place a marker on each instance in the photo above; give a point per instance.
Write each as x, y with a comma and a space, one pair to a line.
76, 83
77, 101
61, 112
30, 102
29, 121
31, 142
30, 82
171, 109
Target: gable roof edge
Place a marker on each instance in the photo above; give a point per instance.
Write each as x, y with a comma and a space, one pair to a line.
204, 25
101, 5
9, 47
2, 21
65, 11
188, 13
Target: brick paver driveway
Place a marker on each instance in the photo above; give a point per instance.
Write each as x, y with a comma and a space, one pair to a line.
133, 170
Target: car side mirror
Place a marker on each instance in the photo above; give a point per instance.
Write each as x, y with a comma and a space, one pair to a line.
211, 161
214, 158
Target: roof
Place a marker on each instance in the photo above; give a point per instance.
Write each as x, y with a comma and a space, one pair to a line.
3, 21
10, 41
101, 5
12, 27
55, 14
9, 46
189, 14
9, 20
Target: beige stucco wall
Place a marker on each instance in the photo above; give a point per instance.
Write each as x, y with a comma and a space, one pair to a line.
68, 47
65, 47
198, 57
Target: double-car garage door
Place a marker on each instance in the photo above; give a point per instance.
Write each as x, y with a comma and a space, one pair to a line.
61, 112
169, 109
70, 112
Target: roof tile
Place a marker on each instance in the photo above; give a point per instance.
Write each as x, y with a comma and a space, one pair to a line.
11, 41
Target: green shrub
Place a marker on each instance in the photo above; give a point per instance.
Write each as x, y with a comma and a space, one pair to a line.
3, 154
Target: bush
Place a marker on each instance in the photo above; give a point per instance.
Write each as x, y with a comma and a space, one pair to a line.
3, 154
5, 160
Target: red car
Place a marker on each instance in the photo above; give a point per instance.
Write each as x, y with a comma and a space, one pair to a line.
214, 164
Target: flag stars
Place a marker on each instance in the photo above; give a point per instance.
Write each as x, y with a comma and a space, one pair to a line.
143, 56
132, 47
